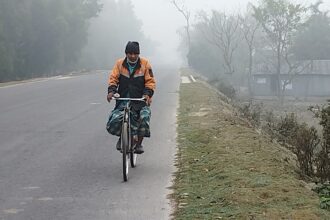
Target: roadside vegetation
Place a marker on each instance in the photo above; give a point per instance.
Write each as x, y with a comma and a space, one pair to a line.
281, 40
228, 169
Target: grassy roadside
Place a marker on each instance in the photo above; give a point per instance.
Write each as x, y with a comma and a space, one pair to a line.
226, 170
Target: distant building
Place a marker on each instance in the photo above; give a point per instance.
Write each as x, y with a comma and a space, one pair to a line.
314, 81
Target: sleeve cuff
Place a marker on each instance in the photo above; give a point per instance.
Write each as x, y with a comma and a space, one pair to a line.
148, 92
112, 89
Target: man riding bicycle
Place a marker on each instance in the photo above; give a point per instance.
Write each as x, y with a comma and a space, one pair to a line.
131, 77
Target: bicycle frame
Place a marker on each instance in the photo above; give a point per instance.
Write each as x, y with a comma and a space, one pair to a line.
127, 142
127, 110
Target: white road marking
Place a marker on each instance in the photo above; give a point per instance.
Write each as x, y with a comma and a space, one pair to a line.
12, 211
185, 79
64, 77
192, 78
31, 187
45, 199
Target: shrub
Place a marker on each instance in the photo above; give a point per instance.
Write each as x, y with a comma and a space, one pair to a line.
287, 129
323, 157
306, 142
226, 89
303, 141
252, 112
270, 124
324, 192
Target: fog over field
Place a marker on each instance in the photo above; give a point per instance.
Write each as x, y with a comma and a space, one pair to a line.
161, 21
48, 37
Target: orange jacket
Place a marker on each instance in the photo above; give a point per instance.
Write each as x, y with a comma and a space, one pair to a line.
140, 82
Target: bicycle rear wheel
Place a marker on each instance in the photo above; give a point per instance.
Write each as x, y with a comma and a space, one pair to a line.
133, 155
125, 149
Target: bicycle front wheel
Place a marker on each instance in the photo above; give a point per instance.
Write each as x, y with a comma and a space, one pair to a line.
125, 149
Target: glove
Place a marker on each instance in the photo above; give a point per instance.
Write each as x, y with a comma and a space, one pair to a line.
148, 99
109, 97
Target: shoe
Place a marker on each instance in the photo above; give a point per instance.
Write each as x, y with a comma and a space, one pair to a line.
139, 149
118, 147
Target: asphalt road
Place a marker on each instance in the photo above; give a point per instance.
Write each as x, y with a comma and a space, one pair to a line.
58, 162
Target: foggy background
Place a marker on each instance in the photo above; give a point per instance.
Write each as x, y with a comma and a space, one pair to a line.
45, 38
161, 21
54, 146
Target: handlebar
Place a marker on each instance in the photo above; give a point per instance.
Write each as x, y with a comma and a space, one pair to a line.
129, 99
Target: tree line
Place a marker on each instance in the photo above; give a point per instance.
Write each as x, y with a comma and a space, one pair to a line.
274, 36
48, 37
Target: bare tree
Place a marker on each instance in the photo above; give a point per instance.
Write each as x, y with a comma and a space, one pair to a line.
186, 14
293, 69
222, 31
280, 21
249, 28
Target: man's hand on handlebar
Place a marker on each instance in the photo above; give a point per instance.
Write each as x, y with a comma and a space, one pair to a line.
112, 95
148, 99
109, 96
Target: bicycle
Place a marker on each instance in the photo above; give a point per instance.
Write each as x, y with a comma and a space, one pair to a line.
127, 142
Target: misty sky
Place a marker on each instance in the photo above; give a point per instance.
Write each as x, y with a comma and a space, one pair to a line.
161, 20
